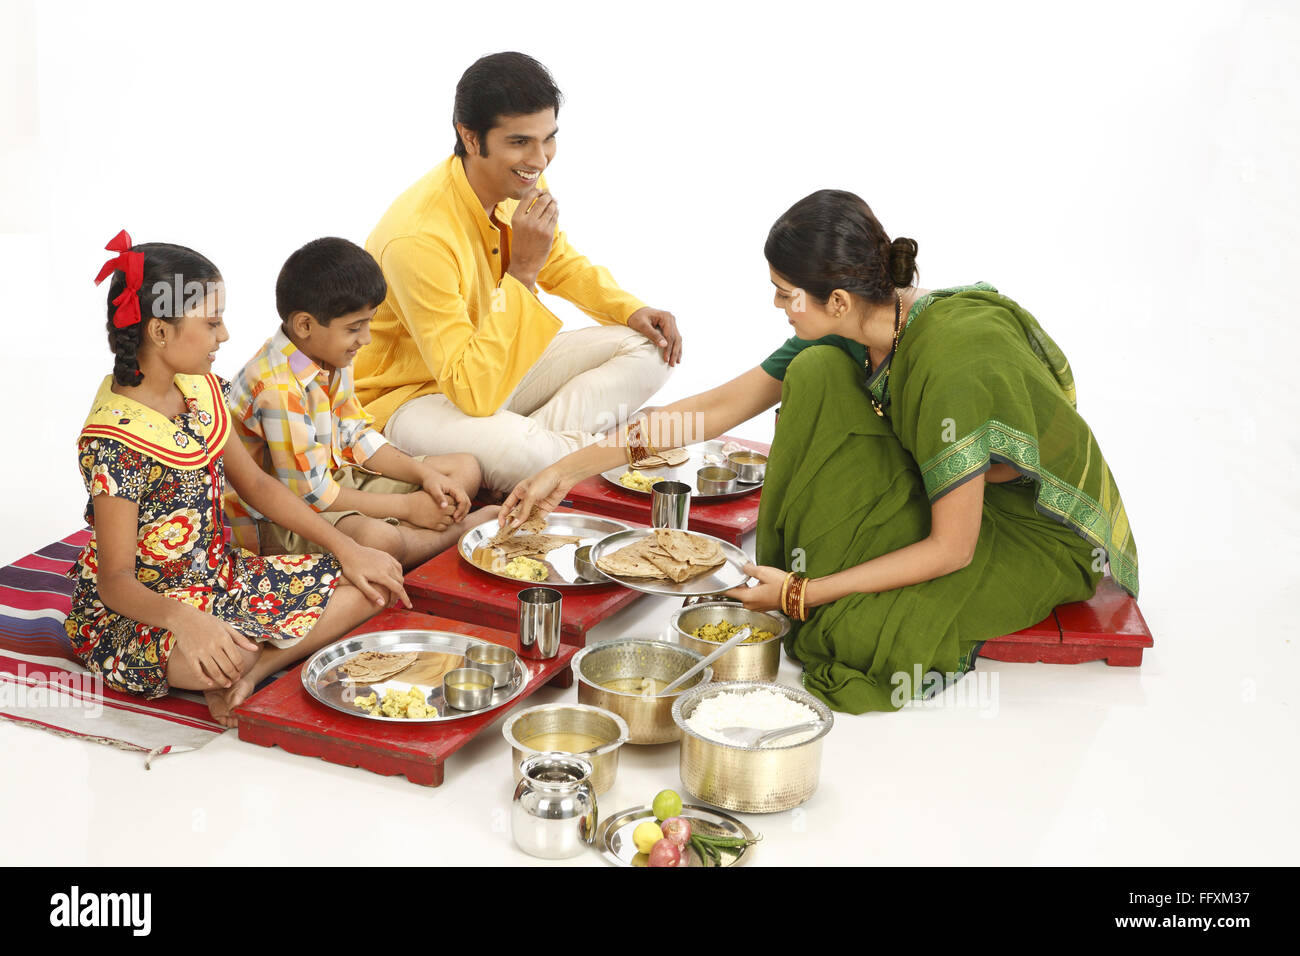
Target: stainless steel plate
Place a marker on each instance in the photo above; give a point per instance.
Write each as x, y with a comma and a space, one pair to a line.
685, 473
559, 563
615, 836
720, 579
323, 680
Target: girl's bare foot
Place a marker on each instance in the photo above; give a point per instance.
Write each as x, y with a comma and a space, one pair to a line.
237, 693
216, 700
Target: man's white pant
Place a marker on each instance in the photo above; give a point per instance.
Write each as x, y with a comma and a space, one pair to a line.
586, 382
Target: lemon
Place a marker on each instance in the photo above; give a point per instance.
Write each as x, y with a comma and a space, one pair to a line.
667, 804
646, 835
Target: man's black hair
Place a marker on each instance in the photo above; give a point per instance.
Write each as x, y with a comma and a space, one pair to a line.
328, 278
502, 84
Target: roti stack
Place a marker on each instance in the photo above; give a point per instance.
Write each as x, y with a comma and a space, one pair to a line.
666, 555
671, 457
374, 667
527, 541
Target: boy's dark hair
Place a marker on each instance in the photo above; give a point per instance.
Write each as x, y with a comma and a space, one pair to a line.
168, 269
502, 84
328, 278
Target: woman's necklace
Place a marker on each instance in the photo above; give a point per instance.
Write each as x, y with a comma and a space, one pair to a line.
889, 359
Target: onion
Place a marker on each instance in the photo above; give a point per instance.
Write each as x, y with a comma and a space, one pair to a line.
677, 830
665, 853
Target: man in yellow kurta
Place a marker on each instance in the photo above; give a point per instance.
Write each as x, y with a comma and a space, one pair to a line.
463, 355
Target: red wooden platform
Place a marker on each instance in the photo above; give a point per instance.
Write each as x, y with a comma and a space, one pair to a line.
729, 520
1108, 627
452, 587
285, 715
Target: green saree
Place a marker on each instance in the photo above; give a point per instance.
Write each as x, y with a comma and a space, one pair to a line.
976, 380
841, 489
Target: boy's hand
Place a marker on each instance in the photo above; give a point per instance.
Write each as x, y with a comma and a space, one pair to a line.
424, 512
375, 574
447, 494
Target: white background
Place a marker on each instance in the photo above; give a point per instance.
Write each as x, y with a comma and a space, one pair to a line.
1126, 171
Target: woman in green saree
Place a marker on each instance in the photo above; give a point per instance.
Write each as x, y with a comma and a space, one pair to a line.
931, 485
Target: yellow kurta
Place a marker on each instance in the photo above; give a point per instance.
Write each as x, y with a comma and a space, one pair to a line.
454, 321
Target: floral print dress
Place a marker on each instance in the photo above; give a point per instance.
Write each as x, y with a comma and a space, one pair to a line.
173, 471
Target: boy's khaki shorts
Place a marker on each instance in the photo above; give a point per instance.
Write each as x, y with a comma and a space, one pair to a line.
276, 540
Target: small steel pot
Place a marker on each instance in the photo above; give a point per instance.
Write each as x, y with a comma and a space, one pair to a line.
715, 480
553, 813
494, 659
750, 779
586, 569
649, 719
468, 688
750, 661
561, 718
750, 466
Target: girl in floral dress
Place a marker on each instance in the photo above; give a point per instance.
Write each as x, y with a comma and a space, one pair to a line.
162, 597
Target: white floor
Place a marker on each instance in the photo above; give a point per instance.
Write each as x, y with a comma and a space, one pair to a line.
1133, 186
1176, 762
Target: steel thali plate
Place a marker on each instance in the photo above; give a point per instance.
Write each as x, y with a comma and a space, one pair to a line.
322, 678
700, 457
559, 562
722, 578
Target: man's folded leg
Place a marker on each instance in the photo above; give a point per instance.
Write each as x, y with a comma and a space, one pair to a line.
508, 446
590, 379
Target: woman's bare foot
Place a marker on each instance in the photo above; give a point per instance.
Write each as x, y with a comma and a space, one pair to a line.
220, 709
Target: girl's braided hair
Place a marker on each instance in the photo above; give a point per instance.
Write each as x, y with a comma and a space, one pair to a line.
167, 269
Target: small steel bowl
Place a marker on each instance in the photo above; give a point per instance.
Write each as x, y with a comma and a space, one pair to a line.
750, 466
467, 688
586, 569
536, 723
759, 660
750, 779
715, 480
496, 660
649, 719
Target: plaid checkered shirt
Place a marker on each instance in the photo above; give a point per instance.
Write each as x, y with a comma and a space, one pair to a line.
298, 423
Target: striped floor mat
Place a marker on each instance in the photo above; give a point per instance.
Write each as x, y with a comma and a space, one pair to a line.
42, 685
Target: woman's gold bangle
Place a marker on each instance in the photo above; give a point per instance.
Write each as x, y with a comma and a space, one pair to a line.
785, 587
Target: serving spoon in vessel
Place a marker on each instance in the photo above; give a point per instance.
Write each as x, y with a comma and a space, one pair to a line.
727, 645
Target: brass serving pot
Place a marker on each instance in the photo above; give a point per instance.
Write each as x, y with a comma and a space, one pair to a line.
569, 718
649, 719
759, 660
748, 779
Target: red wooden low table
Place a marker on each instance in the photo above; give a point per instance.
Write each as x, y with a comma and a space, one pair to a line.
452, 587
285, 715
729, 520
1108, 627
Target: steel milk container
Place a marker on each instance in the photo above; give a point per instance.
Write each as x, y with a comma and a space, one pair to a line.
553, 814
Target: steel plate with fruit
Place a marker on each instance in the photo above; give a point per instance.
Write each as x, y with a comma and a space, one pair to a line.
669, 833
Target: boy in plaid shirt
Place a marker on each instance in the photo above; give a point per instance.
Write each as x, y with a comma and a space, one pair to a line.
296, 413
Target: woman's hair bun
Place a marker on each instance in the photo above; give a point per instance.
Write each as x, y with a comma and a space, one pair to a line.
902, 261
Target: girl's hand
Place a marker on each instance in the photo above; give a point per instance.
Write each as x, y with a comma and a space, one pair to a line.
447, 494
213, 646
763, 596
375, 574
543, 492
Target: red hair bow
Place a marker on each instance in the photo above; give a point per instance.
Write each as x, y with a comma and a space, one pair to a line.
132, 266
